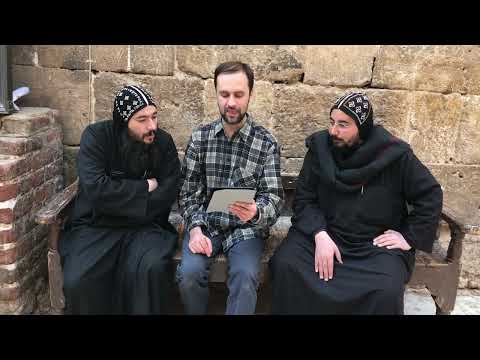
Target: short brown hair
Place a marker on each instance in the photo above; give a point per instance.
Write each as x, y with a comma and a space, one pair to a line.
231, 67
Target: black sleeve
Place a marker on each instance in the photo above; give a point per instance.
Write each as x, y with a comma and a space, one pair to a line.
113, 197
162, 198
308, 218
424, 194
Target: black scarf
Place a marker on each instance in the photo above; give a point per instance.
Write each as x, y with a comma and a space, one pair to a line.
350, 173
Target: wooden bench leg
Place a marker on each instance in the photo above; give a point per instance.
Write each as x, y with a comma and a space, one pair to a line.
55, 274
439, 311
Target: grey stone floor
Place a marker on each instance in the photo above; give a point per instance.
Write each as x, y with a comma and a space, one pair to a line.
419, 302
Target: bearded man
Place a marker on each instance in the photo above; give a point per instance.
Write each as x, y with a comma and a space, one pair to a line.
364, 203
232, 151
118, 245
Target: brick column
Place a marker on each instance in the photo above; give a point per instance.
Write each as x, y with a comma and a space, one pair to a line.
31, 161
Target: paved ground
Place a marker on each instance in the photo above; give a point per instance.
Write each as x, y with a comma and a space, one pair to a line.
419, 302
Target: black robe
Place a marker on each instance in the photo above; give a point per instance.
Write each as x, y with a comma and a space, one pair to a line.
118, 245
356, 199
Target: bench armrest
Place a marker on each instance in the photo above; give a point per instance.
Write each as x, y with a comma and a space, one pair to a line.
50, 212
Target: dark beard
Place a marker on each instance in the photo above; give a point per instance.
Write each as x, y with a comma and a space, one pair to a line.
140, 159
239, 119
342, 153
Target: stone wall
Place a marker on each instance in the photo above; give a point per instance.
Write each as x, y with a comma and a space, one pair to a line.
30, 173
427, 95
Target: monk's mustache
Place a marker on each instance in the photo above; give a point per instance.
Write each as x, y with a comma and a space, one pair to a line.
150, 133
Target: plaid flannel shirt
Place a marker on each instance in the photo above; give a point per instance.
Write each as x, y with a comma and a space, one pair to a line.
251, 158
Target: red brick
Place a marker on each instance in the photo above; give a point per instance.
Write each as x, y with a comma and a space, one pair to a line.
17, 252
8, 191
38, 178
6, 216
11, 168
10, 293
13, 146
23, 204
7, 236
53, 169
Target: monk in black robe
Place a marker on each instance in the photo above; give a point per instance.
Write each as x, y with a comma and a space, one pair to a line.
364, 203
117, 248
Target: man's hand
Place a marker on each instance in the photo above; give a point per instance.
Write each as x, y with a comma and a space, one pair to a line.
325, 248
244, 210
392, 240
152, 184
199, 243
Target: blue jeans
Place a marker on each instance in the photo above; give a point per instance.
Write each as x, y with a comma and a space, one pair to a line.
243, 273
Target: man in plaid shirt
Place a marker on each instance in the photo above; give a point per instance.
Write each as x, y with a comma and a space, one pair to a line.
233, 151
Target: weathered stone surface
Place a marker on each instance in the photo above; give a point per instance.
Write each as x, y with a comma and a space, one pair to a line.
467, 147
463, 179
298, 111
268, 62
63, 56
260, 106
440, 68
340, 65
472, 70
180, 100
64, 90
291, 165
26, 122
466, 180
470, 274
441, 173
434, 126
153, 59
70, 164
24, 55
110, 58
391, 109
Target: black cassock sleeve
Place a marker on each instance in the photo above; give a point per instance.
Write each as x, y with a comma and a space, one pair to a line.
424, 194
161, 199
113, 197
308, 217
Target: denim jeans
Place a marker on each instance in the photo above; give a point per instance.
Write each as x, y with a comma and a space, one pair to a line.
243, 275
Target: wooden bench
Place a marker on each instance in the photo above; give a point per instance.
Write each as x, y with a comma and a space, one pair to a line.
439, 271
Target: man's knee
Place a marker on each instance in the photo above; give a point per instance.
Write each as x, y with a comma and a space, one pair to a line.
391, 292
246, 275
190, 273
154, 262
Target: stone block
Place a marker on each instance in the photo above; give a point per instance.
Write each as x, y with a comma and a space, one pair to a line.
73, 57
392, 110
298, 111
153, 59
340, 65
271, 63
434, 126
470, 273
110, 58
436, 68
467, 149
64, 90
180, 100
24, 55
